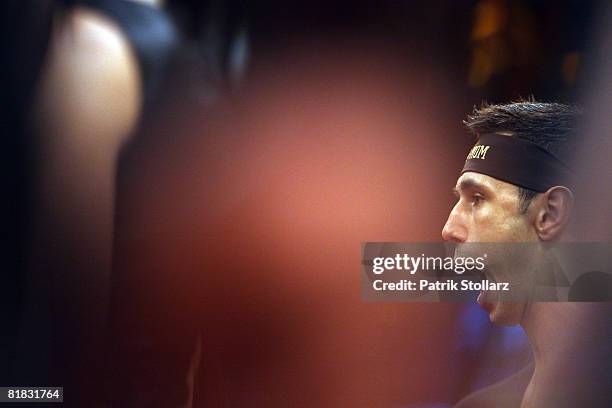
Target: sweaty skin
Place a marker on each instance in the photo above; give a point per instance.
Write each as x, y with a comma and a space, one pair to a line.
487, 211
569, 340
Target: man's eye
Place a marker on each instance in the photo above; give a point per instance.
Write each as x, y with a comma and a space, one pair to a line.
477, 199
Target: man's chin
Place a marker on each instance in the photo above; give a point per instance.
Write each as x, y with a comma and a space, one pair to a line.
501, 313
488, 302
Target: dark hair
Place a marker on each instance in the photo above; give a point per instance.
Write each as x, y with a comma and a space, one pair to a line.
551, 126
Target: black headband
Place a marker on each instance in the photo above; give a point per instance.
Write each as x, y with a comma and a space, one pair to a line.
516, 161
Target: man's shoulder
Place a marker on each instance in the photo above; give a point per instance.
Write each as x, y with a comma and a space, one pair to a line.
507, 393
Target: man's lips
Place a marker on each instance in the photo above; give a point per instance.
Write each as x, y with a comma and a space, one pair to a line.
484, 297
484, 303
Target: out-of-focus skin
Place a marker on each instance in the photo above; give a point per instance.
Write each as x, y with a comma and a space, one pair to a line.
250, 229
87, 103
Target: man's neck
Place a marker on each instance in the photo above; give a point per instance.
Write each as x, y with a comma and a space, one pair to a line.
544, 325
569, 341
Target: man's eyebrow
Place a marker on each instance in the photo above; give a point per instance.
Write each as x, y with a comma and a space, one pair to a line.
470, 184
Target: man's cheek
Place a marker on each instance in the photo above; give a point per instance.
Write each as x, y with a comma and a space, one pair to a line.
483, 226
518, 229
506, 228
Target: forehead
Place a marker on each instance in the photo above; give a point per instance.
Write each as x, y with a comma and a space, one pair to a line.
473, 180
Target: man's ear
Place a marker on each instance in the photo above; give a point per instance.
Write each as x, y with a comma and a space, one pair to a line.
554, 212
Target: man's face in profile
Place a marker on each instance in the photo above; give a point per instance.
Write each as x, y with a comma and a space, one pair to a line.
488, 211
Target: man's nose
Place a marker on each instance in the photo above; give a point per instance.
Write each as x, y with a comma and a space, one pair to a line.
454, 230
